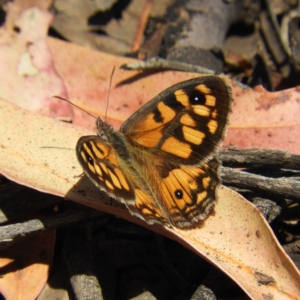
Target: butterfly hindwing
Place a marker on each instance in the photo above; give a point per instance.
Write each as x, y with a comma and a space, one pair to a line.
189, 192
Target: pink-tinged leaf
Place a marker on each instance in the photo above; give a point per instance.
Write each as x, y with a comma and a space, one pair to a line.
259, 119
263, 119
25, 266
87, 75
235, 237
28, 77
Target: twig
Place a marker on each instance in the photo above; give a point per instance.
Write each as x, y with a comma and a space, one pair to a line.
256, 158
141, 26
13, 233
279, 187
159, 63
271, 33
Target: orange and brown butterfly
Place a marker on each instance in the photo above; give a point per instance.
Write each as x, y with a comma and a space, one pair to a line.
162, 164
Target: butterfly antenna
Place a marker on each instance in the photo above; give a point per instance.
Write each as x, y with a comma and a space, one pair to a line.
108, 94
63, 99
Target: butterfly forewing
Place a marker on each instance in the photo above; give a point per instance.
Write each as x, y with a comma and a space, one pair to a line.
186, 122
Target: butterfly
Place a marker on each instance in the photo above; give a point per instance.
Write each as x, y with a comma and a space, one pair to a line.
162, 162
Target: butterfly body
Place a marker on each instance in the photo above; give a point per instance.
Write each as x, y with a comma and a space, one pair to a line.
161, 163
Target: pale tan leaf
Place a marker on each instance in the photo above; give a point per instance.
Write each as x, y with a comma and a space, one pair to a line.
39, 152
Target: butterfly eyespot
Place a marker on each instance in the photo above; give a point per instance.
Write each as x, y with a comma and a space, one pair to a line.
197, 98
178, 194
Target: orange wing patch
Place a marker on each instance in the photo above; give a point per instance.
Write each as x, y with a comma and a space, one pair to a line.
176, 147
149, 139
161, 116
149, 131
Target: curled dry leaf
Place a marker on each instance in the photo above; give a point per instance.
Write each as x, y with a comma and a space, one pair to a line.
119, 33
40, 152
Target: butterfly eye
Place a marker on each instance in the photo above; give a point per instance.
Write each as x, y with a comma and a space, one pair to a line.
178, 194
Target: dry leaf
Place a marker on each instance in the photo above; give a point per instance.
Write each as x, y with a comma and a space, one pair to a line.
235, 237
263, 119
72, 18
260, 119
28, 73
39, 152
25, 266
106, 25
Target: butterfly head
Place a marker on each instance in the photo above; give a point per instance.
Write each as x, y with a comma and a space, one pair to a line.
104, 130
